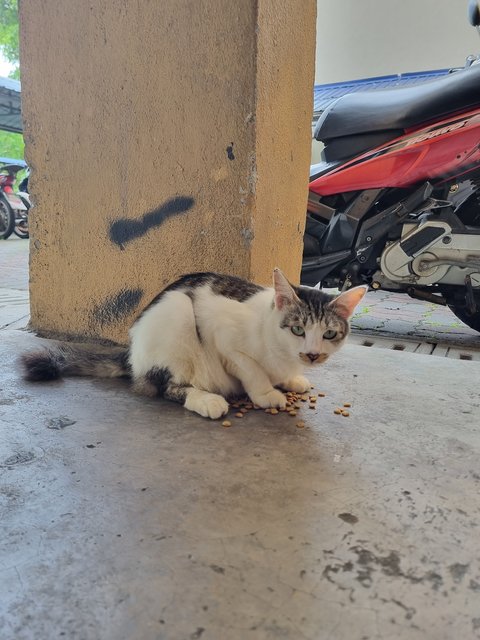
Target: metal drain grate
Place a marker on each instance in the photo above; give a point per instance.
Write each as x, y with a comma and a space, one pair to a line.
425, 347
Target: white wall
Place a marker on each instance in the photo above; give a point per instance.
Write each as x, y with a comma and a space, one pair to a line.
364, 38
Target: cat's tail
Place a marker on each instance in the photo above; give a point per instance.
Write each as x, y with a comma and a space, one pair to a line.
61, 360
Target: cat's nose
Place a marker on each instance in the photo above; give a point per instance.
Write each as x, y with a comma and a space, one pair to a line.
313, 356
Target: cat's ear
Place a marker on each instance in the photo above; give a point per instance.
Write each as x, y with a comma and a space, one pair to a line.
284, 293
344, 304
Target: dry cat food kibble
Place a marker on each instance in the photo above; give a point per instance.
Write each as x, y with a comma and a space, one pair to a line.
294, 403
341, 411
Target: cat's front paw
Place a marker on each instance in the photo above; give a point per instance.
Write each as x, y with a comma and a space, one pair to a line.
273, 398
208, 405
298, 384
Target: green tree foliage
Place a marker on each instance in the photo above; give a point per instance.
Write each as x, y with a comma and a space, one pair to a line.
9, 34
11, 145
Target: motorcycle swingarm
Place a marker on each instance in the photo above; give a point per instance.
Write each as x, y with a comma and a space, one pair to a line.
314, 270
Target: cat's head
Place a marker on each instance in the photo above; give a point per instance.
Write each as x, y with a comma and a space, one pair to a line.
314, 324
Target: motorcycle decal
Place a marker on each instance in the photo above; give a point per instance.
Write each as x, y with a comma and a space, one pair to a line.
439, 131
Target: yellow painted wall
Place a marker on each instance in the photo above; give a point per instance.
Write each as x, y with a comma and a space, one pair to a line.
163, 138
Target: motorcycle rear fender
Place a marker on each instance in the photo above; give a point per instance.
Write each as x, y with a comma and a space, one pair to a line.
14, 201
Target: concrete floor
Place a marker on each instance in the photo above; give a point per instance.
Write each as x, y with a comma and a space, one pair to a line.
123, 518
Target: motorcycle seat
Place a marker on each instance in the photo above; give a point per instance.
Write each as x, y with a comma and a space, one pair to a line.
387, 113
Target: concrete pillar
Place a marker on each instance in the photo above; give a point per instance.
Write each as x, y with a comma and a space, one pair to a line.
164, 138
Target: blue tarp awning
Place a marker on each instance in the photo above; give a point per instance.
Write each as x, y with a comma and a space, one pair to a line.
10, 105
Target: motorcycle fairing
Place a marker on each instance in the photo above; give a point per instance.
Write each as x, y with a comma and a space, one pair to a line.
317, 170
449, 147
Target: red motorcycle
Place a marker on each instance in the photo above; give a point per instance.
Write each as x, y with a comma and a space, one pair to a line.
396, 201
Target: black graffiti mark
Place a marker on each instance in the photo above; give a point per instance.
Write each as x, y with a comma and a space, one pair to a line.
230, 153
117, 306
124, 230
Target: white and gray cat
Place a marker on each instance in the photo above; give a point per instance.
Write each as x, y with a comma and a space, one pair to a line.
209, 337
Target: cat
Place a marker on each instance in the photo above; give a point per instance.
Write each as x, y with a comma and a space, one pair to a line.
207, 338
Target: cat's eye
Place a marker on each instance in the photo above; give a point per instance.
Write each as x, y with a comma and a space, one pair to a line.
330, 334
298, 330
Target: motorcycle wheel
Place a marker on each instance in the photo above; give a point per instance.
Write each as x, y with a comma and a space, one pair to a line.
7, 219
21, 226
21, 229
472, 320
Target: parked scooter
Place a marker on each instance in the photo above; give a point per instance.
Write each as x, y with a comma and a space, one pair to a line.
396, 201
13, 207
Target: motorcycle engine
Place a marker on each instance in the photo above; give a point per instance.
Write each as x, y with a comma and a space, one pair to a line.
429, 252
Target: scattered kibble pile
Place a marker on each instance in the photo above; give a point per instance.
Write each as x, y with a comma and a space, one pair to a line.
343, 411
295, 402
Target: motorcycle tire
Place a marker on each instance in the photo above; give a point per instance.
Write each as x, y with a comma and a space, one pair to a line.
472, 320
21, 226
21, 231
7, 219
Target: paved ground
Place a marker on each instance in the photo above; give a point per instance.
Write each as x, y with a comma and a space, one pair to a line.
14, 306
14, 263
397, 315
